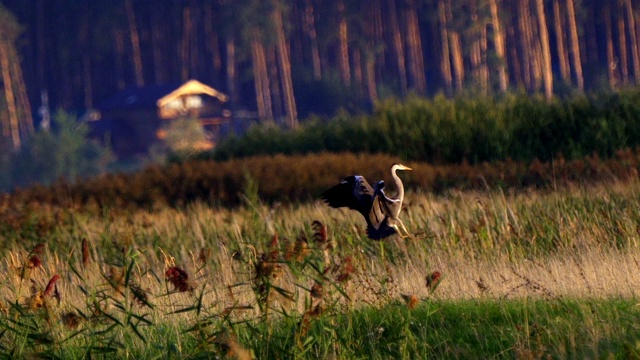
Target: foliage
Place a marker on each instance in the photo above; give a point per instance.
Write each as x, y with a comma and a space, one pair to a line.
182, 139
64, 153
475, 130
298, 178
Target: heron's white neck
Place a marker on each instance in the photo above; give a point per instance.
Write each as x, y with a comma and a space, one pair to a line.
398, 182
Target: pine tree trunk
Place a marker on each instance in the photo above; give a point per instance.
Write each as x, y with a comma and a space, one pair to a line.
455, 46
275, 81
343, 45
478, 53
484, 67
194, 53
611, 60
310, 26
232, 80
546, 52
622, 38
135, 43
527, 45
370, 77
41, 43
445, 64
575, 44
184, 45
398, 47
635, 55
213, 44
22, 99
513, 44
261, 80
357, 67
119, 55
499, 40
86, 59
414, 45
563, 56
157, 48
9, 96
284, 66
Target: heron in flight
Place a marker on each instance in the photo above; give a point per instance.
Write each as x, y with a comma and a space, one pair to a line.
380, 211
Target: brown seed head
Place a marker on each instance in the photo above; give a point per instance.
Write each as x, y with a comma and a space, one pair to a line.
85, 253
178, 278
433, 279
410, 300
49, 289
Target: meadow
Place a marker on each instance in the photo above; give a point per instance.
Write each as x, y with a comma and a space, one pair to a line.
494, 273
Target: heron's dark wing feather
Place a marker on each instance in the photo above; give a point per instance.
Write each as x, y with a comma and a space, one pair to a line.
353, 192
382, 231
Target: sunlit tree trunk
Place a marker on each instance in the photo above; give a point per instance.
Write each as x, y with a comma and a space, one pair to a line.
370, 77
414, 48
135, 43
9, 97
635, 56
343, 45
499, 40
455, 46
186, 40
357, 66
445, 64
275, 82
213, 41
86, 59
22, 100
284, 66
611, 60
546, 52
563, 57
261, 79
398, 46
574, 44
41, 42
310, 28
119, 55
527, 45
157, 47
18, 121
622, 38
478, 36
513, 46
230, 68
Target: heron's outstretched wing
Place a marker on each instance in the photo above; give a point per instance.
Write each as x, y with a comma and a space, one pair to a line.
384, 205
378, 213
353, 192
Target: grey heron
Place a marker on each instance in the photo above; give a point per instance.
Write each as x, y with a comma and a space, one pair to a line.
380, 211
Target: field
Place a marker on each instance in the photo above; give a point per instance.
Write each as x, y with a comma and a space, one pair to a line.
523, 274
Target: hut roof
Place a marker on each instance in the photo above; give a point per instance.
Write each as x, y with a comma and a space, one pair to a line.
189, 88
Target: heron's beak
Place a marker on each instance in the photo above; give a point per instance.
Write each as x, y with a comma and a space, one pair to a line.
407, 168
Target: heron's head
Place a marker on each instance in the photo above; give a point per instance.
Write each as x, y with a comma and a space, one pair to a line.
399, 167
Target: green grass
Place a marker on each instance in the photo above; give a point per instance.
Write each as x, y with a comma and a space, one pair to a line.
467, 330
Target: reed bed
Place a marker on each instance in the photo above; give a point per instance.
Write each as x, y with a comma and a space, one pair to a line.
208, 281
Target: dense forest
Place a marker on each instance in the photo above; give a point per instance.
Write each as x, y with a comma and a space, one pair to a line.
285, 59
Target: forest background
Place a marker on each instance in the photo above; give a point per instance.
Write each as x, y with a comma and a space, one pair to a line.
291, 60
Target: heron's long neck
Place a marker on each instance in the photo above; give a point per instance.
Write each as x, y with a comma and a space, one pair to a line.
398, 183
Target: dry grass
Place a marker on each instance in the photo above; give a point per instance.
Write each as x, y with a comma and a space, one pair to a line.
580, 242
